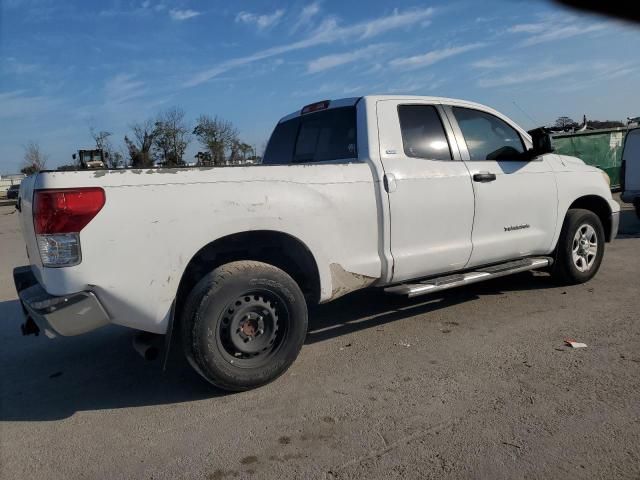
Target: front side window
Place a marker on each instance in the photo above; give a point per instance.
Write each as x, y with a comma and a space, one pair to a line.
487, 136
315, 137
422, 132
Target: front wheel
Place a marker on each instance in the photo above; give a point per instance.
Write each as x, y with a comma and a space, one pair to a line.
244, 324
580, 247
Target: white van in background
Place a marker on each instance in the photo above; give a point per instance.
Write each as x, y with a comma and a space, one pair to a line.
631, 169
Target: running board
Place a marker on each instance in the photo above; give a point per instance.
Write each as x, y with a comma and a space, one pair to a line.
451, 281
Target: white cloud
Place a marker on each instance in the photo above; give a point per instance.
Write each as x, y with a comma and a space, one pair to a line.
331, 61
424, 84
429, 58
597, 72
331, 89
532, 75
261, 21
122, 88
12, 65
553, 29
394, 21
528, 28
328, 32
183, 14
491, 63
305, 16
19, 105
562, 33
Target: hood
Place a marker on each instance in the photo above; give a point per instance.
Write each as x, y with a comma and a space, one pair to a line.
565, 162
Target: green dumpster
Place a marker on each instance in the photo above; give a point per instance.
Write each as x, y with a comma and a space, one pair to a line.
601, 148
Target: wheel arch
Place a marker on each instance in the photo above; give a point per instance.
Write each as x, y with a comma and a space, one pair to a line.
598, 205
276, 248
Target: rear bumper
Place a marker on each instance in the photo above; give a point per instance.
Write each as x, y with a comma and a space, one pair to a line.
65, 315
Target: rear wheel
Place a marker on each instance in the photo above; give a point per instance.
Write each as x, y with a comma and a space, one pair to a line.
580, 247
244, 324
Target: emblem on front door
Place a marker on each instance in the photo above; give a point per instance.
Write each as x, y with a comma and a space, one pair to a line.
511, 228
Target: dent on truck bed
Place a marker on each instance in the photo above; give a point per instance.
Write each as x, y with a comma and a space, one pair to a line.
344, 282
138, 171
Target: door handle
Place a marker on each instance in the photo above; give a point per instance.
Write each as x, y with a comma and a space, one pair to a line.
484, 177
389, 181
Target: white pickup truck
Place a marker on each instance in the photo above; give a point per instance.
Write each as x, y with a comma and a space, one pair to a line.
408, 194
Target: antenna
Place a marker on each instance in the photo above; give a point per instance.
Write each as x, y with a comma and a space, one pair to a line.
536, 123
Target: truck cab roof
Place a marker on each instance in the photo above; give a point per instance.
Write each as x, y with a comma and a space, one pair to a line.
351, 101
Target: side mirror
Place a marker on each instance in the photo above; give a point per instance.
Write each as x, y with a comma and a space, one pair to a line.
541, 139
73, 156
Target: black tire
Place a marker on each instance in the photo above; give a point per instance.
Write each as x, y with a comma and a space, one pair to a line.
565, 269
636, 204
243, 325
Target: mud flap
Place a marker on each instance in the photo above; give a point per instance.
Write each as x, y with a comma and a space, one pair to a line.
169, 335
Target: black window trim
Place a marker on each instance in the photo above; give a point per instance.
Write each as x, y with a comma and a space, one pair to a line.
301, 118
458, 133
440, 114
294, 143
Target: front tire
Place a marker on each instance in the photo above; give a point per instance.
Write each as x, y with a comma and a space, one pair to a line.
243, 325
580, 247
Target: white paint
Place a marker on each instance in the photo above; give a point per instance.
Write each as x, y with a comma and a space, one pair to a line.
431, 205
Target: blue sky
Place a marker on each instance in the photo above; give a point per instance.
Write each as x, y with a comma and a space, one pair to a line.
66, 65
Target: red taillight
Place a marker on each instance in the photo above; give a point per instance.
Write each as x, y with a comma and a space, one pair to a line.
65, 210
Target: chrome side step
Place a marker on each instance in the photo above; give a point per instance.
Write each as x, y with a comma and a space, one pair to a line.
451, 281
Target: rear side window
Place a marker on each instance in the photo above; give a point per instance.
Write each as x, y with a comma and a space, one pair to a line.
316, 137
487, 136
422, 132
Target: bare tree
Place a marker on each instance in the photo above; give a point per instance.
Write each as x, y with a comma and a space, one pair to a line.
565, 122
34, 159
112, 158
101, 138
218, 136
245, 150
239, 152
171, 137
115, 160
203, 159
140, 145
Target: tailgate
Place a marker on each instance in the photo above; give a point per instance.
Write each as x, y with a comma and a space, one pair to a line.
26, 223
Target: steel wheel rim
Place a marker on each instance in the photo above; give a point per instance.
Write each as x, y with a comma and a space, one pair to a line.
252, 328
584, 248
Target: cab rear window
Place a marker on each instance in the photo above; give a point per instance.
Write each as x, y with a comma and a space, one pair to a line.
316, 137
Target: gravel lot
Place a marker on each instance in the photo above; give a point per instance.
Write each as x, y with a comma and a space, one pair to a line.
474, 383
